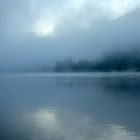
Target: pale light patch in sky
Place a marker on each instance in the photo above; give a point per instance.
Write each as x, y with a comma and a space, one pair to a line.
72, 14
44, 28
121, 7
76, 14
77, 5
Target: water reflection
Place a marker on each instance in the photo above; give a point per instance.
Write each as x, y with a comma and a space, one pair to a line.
69, 107
68, 126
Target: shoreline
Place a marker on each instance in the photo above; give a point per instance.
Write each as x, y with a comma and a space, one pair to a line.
84, 74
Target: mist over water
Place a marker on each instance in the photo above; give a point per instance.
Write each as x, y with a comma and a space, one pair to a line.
69, 70
84, 106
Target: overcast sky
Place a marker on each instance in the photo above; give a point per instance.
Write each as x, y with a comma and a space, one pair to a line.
42, 31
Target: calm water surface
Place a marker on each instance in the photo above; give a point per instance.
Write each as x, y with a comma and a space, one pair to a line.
69, 107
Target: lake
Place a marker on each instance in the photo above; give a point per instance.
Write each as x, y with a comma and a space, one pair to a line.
70, 106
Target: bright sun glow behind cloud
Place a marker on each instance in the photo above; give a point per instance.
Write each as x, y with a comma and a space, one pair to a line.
44, 28
77, 14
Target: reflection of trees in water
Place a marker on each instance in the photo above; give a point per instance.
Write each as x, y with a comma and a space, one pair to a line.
110, 101
114, 99
129, 86
124, 95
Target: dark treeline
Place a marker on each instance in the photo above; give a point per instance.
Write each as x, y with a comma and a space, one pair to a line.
115, 62
119, 62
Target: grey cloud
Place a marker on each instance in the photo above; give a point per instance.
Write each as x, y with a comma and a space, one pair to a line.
87, 33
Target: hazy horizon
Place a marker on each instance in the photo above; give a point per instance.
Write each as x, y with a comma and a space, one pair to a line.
41, 32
